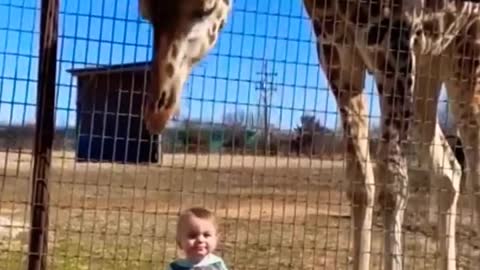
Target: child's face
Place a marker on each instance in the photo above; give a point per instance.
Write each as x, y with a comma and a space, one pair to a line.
197, 238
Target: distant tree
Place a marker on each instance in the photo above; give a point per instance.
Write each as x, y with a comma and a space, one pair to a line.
236, 122
237, 118
310, 134
194, 137
240, 125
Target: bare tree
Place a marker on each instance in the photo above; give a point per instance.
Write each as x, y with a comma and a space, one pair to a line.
315, 137
235, 118
242, 119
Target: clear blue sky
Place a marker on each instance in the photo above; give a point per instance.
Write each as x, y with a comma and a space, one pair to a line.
102, 32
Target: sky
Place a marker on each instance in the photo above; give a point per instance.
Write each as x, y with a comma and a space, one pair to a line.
102, 32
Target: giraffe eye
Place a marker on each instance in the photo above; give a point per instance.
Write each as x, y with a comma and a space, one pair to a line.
202, 13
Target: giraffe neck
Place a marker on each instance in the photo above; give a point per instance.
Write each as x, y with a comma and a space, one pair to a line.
184, 31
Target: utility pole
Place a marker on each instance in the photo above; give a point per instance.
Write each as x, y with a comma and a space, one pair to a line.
266, 89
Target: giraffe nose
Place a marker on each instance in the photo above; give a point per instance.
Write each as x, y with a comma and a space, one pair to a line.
156, 120
161, 100
167, 100
158, 112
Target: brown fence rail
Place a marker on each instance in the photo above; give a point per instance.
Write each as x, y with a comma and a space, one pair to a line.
45, 129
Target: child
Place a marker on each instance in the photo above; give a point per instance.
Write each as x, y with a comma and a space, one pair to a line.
197, 238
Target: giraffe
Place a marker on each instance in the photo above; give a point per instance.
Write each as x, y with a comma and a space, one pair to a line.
410, 47
399, 43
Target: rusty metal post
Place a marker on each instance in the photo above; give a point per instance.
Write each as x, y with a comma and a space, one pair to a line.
44, 132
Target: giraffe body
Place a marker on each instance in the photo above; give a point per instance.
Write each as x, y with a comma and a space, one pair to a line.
411, 47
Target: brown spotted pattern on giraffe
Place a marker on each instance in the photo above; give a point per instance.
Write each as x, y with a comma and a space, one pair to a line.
435, 27
219, 14
329, 25
399, 100
466, 118
311, 5
467, 69
174, 51
171, 100
332, 59
360, 12
381, 61
331, 53
431, 6
222, 24
169, 70
432, 28
211, 37
468, 64
196, 59
161, 101
317, 27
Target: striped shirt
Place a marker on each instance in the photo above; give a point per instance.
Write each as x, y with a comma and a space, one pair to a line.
210, 262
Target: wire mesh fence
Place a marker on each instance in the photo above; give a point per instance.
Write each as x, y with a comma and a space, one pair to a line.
257, 138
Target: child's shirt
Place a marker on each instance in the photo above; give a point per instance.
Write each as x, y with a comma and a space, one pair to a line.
210, 262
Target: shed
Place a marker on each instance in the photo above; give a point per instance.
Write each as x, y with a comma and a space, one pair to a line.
109, 124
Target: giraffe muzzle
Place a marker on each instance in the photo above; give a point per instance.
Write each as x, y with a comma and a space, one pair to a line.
157, 115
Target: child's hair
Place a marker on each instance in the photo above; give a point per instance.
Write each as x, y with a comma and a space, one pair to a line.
198, 212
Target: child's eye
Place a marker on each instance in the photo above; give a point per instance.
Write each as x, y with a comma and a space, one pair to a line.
207, 235
192, 235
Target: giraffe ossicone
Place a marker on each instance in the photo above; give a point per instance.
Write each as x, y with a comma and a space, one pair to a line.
411, 47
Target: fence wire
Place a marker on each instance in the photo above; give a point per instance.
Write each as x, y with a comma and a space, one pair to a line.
258, 139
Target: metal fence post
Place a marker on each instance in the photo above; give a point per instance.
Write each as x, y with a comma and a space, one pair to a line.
45, 129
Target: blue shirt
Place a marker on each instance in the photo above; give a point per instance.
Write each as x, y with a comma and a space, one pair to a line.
210, 262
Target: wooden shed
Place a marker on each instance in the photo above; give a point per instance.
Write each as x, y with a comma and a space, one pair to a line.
109, 125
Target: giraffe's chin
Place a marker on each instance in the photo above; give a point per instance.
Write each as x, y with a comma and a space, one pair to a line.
157, 121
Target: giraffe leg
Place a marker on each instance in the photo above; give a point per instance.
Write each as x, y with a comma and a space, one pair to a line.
395, 81
468, 115
463, 90
345, 72
436, 156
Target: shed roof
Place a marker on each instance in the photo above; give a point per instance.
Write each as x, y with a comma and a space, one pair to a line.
117, 68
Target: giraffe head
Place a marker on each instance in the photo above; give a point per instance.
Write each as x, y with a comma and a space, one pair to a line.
184, 31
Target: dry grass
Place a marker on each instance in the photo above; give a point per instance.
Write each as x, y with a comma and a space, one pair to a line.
276, 213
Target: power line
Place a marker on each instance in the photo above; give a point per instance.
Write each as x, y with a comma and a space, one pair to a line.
266, 88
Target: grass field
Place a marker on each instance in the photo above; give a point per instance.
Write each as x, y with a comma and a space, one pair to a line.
276, 213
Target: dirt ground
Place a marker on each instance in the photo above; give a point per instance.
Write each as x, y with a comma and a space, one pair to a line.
275, 213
